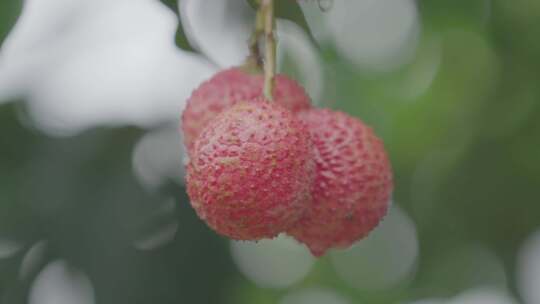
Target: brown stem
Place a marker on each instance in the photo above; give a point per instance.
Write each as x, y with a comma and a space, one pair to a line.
267, 11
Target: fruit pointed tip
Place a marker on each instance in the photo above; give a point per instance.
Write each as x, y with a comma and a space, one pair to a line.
317, 252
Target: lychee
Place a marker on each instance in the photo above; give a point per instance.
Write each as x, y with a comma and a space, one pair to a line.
353, 182
229, 87
251, 171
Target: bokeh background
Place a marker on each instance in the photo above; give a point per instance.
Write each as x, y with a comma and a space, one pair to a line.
93, 208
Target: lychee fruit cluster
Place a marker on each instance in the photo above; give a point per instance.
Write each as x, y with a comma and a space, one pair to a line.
259, 168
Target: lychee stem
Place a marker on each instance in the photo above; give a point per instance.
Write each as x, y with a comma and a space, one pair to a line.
267, 11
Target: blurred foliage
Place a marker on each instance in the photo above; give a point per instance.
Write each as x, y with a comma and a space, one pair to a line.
79, 194
466, 155
9, 11
180, 37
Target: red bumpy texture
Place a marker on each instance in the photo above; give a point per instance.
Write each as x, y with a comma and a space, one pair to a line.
353, 182
229, 87
251, 171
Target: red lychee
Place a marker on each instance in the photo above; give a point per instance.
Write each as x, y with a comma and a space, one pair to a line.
229, 87
353, 182
251, 171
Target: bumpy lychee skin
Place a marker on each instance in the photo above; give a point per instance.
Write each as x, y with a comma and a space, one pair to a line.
229, 87
353, 182
251, 171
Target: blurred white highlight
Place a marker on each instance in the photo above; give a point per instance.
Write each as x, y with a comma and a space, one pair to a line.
528, 269
317, 21
385, 258
163, 228
219, 29
379, 35
32, 259
59, 283
85, 63
276, 263
158, 157
295, 43
9, 248
423, 69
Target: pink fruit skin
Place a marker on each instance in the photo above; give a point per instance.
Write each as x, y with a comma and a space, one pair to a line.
353, 182
229, 87
251, 171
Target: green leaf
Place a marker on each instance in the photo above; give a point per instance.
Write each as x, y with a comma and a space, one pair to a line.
253, 3
180, 37
291, 10
172, 4
9, 11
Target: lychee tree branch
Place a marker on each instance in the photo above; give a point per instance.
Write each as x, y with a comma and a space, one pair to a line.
266, 10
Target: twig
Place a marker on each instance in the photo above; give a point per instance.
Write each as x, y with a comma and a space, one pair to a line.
267, 11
